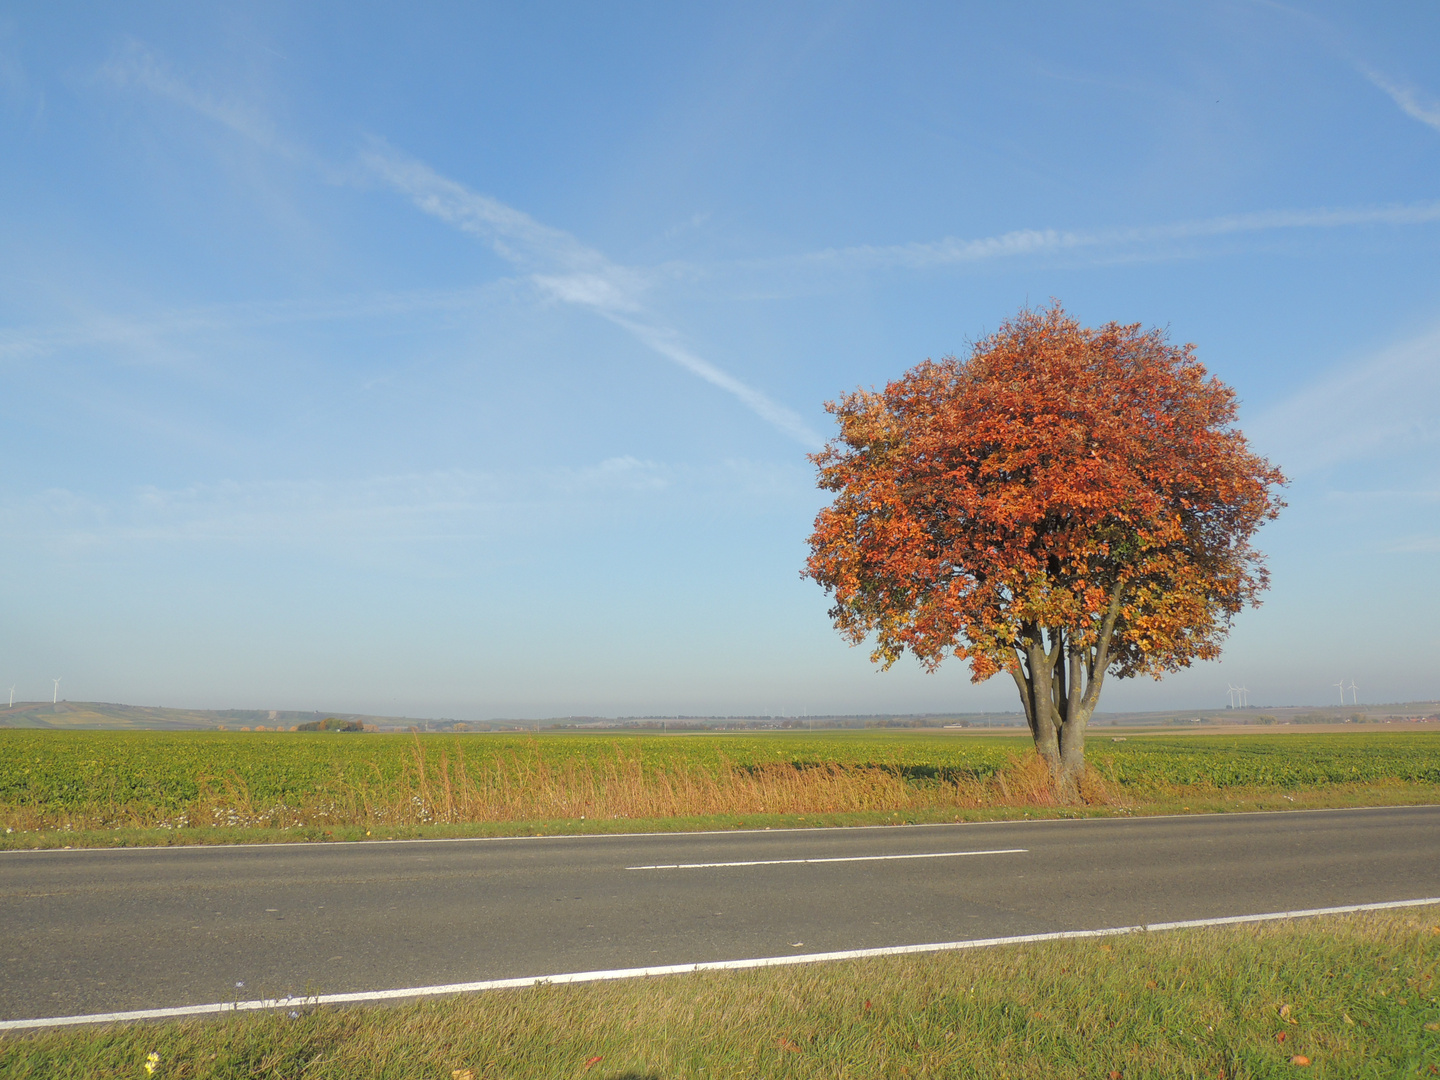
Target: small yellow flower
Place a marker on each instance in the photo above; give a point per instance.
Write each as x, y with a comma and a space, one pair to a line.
152, 1062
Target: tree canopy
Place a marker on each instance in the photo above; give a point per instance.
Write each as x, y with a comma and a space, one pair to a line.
1062, 503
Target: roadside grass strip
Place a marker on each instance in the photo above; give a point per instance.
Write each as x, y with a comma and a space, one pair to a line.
446, 989
1329, 995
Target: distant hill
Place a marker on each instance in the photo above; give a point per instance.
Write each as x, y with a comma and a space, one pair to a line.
75, 715
78, 715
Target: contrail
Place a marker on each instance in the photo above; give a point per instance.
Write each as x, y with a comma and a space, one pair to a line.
1408, 98
1390, 400
568, 270
1034, 241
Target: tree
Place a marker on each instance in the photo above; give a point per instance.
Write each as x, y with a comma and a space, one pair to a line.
330, 723
1063, 503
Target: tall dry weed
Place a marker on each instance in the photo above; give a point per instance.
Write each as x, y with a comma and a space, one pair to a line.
446, 787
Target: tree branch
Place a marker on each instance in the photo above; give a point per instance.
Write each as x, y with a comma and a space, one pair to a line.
1102, 645
1073, 705
1025, 696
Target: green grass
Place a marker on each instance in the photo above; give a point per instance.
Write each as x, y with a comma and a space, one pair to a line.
70, 769
109, 787
1355, 995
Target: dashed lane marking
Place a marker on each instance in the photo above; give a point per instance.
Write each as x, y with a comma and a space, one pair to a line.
842, 858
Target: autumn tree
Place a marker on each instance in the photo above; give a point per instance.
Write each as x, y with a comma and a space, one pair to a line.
1064, 503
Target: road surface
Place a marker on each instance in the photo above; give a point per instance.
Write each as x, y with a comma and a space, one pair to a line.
90, 931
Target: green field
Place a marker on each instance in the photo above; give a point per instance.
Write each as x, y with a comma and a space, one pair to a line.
1341, 997
197, 786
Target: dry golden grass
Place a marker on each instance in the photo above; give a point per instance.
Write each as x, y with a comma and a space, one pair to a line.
515, 789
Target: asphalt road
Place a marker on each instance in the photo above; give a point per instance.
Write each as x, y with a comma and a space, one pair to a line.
98, 931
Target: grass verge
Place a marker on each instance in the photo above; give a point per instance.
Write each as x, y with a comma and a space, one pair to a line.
1196, 801
1349, 996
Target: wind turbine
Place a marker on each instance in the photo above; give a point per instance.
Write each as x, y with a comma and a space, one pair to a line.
1354, 697
1232, 692
12, 697
1245, 696
1341, 685
55, 700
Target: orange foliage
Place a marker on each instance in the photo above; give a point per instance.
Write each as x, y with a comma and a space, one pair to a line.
1064, 502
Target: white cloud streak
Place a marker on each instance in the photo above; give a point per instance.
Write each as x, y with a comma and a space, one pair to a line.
146, 336
360, 513
1426, 110
1385, 404
135, 65
1415, 545
951, 251
567, 270
1398, 389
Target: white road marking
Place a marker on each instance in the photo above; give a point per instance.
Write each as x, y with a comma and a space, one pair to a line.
681, 969
845, 858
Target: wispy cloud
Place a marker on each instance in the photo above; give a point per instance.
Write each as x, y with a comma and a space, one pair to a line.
150, 336
1342, 43
1024, 242
135, 65
1386, 403
1415, 545
1415, 105
571, 272
360, 513
559, 264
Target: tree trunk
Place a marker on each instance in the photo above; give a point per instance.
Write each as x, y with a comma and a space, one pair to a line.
1040, 704
1071, 759
1060, 687
1059, 672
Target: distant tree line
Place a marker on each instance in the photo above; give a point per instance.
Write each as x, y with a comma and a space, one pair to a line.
331, 723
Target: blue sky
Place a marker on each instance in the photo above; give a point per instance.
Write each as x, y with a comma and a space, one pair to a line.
462, 359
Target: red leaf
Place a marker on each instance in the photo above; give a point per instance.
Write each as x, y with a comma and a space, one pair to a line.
1059, 480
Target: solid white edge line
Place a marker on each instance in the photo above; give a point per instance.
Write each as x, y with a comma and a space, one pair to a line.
837, 858
269, 844
682, 969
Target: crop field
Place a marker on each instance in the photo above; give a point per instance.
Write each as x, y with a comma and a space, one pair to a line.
197, 782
